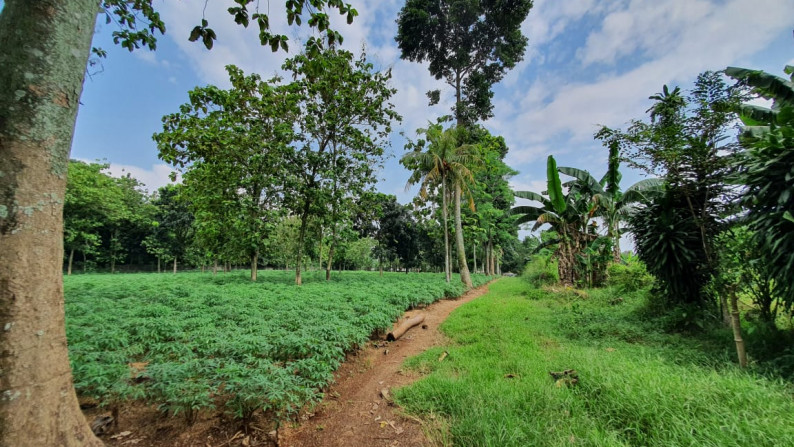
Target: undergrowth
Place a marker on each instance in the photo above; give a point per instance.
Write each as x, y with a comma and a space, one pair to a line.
638, 384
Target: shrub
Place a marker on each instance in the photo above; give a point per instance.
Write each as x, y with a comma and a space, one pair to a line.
629, 277
541, 271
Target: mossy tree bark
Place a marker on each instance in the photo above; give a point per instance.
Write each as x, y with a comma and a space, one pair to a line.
44, 49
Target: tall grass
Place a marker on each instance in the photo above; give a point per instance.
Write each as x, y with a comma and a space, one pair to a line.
638, 386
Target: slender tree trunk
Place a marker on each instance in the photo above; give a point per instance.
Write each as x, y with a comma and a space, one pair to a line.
465, 277
254, 266
474, 255
44, 48
214, 267
447, 263
320, 250
85, 260
737, 330
174, 264
725, 310
491, 259
331, 248
301, 238
112, 261
158, 264
71, 259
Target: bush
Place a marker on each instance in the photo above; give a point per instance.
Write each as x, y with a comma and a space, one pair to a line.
541, 271
629, 277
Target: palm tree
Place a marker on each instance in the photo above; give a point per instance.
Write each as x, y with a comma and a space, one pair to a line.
443, 164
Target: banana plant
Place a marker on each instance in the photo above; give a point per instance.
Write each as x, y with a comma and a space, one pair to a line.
768, 173
567, 213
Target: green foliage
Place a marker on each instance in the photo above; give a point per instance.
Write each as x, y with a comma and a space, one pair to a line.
131, 35
744, 270
768, 173
541, 271
471, 45
637, 385
684, 141
628, 277
668, 241
222, 340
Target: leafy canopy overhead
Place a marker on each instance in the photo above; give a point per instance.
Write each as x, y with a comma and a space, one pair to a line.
129, 15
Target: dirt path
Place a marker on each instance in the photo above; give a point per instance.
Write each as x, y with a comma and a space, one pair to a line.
354, 414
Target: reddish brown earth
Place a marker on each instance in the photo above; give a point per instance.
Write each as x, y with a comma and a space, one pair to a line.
354, 413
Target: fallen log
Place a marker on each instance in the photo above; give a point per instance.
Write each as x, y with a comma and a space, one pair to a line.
403, 328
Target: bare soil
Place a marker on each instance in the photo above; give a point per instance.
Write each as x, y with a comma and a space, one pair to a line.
357, 411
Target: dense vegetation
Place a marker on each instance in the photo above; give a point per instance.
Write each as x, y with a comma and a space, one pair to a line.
193, 341
636, 383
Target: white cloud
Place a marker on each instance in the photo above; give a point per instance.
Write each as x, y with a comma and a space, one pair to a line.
153, 178
714, 42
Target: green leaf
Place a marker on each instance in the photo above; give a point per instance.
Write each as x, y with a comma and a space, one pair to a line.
555, 186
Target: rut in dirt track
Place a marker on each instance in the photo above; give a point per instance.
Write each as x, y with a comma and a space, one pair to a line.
355, 412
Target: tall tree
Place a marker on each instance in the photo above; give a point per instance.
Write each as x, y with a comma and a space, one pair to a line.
234, 143
469, 43
174, 227
345, 118
686, 141
44, 50
92, 199
492, 223
444, 164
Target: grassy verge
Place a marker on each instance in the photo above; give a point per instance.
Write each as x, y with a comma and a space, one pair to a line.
193, 341
638, 386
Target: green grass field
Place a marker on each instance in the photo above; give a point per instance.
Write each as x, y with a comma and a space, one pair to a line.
201, 341
638, 385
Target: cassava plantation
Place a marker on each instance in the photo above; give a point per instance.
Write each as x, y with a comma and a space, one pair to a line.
413, 223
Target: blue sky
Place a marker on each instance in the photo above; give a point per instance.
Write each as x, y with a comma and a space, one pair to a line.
589, 62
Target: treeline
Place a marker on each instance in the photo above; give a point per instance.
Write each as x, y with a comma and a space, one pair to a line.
281, 174
113, 224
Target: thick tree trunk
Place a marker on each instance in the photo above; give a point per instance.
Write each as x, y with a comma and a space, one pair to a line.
44, 47
565, 265
174, 264
71, 259
463, 266
254, 262
112, 261
447, 263
737, 330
